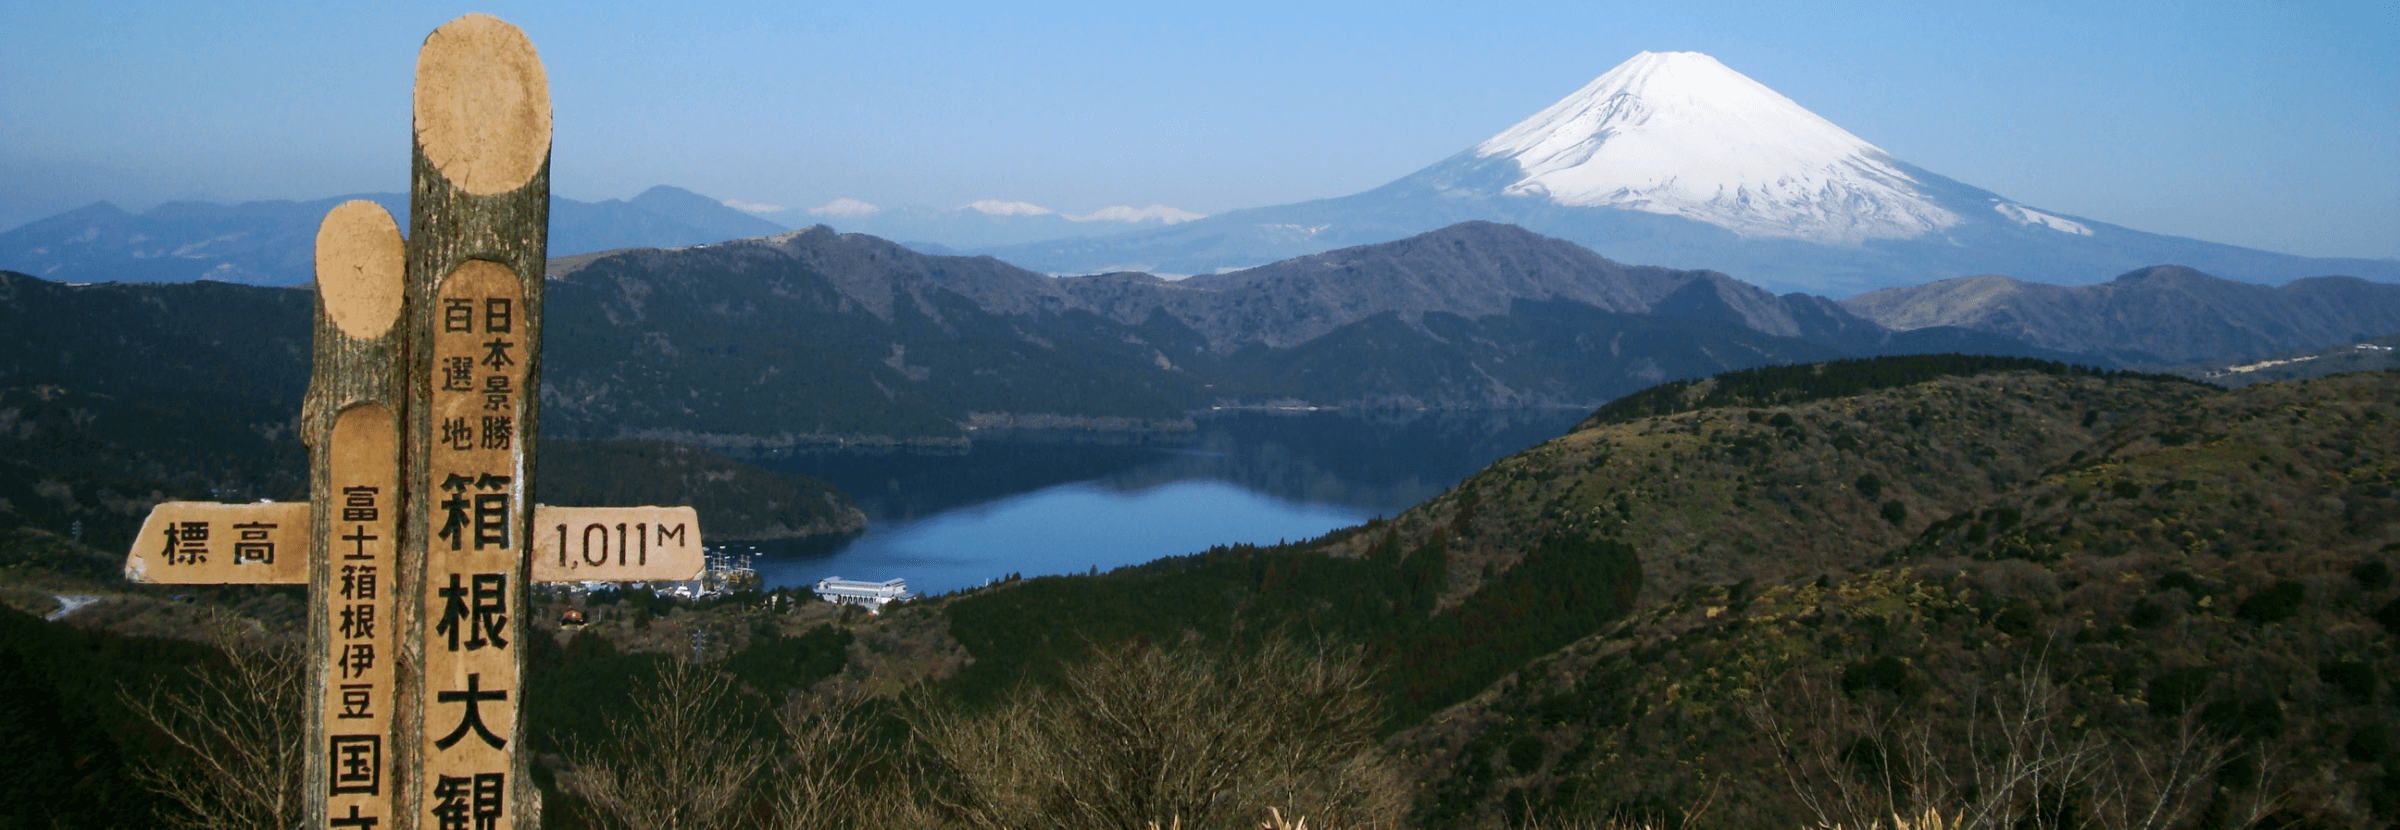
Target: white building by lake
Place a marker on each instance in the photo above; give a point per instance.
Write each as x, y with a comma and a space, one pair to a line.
871, 595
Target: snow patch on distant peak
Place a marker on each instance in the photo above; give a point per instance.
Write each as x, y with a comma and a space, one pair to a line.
1303, 230
1678, 133
2028, 216
1126, 213
845, 208
996, 207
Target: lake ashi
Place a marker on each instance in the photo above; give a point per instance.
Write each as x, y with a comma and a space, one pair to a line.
1043, 504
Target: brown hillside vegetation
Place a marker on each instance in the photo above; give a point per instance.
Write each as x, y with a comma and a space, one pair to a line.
2180, 602
1722, 495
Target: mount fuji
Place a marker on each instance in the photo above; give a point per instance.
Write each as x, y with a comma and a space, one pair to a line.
1674, 159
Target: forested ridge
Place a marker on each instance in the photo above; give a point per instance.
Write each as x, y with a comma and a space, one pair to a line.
91, 464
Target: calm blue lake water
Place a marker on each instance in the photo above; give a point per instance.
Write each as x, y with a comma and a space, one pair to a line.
1040, 505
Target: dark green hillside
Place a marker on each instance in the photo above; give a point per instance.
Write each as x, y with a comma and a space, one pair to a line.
2224, 562
736, 501
814, 338
155, 342
72, 743
1384, 602
1539, 354
71, 457
748, 344
116, 397
1786, 385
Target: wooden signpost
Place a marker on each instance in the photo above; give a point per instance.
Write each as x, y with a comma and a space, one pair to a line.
419, 540
356, 610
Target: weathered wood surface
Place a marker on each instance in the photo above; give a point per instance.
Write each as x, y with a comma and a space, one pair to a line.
616, 544
421, 412
479, 208
205, 543
669, 549
350, 422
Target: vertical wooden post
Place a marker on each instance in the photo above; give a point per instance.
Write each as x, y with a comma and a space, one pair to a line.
351, 420
478, 236
420, 420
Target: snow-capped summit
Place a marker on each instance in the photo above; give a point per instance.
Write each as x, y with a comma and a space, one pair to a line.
1678, 133
1673, 159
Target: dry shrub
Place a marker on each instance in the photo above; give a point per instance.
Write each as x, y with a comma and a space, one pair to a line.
2019, 764
682, 760
240, 731
1594, 824
1928, 821
821, 781
1140, 734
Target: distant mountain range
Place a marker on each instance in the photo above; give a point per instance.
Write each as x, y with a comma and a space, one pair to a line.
1671, 159
1677, 160
2370, 355
978, 224
813, 336
2157, 316
270, 243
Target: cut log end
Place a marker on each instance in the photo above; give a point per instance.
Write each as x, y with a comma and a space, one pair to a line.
482, 105
360, 266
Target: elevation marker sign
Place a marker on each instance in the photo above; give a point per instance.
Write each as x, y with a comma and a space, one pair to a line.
419, 541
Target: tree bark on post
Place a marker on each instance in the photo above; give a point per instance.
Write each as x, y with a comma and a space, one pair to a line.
350, 422
478, 240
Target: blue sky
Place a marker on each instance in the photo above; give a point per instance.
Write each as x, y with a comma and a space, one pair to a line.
2268, 124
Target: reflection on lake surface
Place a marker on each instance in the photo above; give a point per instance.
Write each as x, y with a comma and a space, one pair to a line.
1038, 505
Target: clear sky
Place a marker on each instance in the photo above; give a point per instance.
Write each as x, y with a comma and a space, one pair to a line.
2272, 123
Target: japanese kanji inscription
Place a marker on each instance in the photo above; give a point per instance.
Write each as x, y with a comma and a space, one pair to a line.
419, 540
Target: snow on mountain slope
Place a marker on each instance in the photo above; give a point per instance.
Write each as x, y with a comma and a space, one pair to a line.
1127, 213
1678, 133
846, 208
996, 207
1672, 159
2028, 216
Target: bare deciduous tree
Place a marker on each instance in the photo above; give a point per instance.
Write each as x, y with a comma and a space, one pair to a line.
680, 761
1141, 734
2017, 763
819, 782
240, 731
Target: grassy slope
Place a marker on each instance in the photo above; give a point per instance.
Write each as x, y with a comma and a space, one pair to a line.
1727, 493
2219, 555
1455, 593
1925, 536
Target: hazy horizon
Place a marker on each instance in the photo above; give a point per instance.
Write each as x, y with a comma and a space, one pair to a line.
2267, 125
